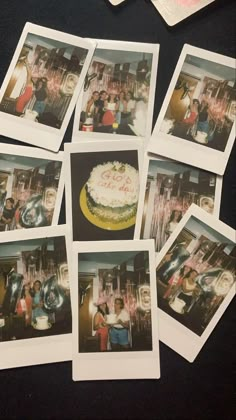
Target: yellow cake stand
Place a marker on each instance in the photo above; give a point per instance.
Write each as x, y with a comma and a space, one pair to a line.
98, 222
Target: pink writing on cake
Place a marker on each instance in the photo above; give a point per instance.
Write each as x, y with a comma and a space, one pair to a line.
109, 174
112, 186
126, 189
109, 185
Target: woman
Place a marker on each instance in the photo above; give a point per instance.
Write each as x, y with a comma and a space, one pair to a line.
25, 97
176, 280
119, 332
41, 94
91, 107
111, 107
203, 124
193, 113
24, 306
122, 104
37, 302
8, 213
99, 322
175, 218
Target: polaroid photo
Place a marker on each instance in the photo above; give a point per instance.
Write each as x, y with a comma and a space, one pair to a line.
195, 274
115, 323
102, 189
31, 187
167, 190
196, 124
119, 92
174, 11
35, 304
42, 85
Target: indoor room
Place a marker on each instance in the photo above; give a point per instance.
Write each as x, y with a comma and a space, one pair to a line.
28, 191
105, 278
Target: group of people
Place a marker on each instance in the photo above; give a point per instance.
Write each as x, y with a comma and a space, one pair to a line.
183, 285
8, 213
197, 120
36, 87
115, 334
113, 107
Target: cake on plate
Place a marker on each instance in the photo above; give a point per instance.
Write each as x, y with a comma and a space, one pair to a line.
177, 305
42, 322
111, 318
112, 191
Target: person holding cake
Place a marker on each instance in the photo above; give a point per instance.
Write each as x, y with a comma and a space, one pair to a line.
99, 322
119, 330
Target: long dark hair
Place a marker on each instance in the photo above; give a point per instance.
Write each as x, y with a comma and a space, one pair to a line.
190, 272
32, 292
106, 312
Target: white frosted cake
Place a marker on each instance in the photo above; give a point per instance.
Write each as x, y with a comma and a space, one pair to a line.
112, 191
42, 322
177, 305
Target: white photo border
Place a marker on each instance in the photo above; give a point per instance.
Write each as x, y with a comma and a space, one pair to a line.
40, 350
122, 46
179, 149
147, 158
173, 333
101, 366
41, 135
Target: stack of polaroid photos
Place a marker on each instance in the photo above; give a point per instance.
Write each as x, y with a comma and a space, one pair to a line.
142, 256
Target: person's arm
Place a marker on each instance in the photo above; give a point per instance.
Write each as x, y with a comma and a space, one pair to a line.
133, 108
6, 221
124, 323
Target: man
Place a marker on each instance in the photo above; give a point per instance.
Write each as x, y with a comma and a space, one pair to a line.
100, 106
119, 332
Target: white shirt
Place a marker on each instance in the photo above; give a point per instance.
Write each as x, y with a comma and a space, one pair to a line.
130, 105
123, 316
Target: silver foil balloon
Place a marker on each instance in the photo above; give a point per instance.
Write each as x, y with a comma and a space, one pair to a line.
32, 214
53, 296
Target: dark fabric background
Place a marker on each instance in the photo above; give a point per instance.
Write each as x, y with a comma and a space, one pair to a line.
206, 388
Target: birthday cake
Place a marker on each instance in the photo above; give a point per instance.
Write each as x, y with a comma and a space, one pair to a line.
42, 322
112, 191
